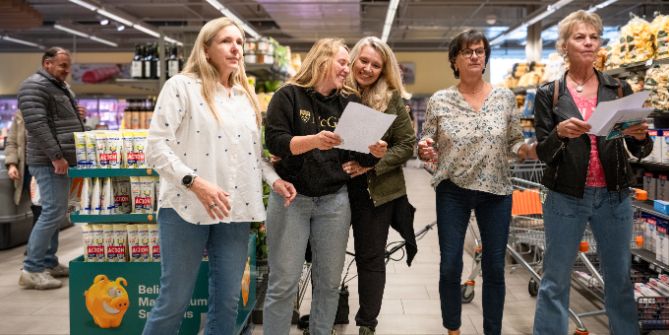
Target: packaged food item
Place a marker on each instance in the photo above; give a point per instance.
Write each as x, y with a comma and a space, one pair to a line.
121, 188
80, 149
134, 120
106, 200
101, 150
139, 142
660, 28
87, 236
96, 194
119, 242
144, 246
91, 155
134, 249
108, 240
85, 207
637, 40
135, 194
148, 186
128, 158
114, 146
97, 248
154, 242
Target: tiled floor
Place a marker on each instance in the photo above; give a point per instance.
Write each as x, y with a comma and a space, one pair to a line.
410, 306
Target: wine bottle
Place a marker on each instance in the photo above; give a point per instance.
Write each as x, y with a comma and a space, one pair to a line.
137, 65
173, 65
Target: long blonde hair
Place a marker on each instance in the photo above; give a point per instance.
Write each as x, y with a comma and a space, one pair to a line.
318, 63
378, 95
199, 67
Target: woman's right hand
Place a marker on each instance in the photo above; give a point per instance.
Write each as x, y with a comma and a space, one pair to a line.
426, 150
572, 128
214, 199
13, 172
326, 140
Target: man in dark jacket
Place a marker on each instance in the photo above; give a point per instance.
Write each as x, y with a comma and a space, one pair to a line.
50, 114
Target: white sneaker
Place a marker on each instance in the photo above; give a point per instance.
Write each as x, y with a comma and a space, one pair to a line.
59, 270
38, 281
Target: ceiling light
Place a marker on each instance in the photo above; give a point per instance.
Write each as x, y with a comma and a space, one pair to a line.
550, 9
114, 17
120, 27
600, 6
85, 4
82, 34
390, 16
18, 41
104, 22
226, 12
104, 41
146, 30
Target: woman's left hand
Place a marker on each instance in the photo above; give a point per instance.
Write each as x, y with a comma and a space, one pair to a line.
638, 131
528, 151
379, 149
286, 190
354, 169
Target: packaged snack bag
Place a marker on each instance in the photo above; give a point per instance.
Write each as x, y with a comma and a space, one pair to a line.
135, 194
96, 194
114, 146
87, 236
108, 237
134, 249
106, 200
139, 146
117, 252
154, 242
129, 160
148, 189
101, 149
97, 248
80, 149
91, 154
144, 246
122, 196
85, 207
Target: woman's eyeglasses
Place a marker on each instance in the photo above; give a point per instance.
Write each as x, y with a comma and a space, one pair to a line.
469, 52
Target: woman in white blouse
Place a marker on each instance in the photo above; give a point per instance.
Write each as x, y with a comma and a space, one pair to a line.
470, 130
204, 141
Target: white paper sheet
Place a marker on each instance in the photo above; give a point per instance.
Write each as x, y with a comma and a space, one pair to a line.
360, 126
608, 113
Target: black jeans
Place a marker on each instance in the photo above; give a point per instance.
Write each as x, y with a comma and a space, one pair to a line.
370, 233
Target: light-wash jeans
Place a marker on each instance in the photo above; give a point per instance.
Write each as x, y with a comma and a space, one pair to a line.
323, 221
565, 217
181, 247
43, 241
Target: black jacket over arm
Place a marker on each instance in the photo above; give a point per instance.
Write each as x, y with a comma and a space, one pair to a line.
567, 159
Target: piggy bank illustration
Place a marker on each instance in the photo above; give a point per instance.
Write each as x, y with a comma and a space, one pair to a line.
107, 301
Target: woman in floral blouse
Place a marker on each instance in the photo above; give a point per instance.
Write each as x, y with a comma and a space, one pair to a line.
471, 132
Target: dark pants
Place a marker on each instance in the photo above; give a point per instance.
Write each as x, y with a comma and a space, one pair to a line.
493, 215
370, 233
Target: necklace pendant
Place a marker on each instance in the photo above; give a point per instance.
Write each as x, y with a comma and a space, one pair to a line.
579, 88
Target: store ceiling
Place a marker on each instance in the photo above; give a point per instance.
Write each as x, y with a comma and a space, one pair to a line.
420, 25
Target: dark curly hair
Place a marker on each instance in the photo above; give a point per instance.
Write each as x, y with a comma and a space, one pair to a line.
462, 41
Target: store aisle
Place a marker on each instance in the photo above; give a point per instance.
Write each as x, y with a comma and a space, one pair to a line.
411, 303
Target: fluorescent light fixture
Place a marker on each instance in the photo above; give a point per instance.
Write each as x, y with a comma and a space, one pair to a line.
71, 31
390, 17
84, 4
600, 6
173, 41
18, 41
104, 41
114, 17
226, 12
120, 27
146, 30
123, 21
550, 9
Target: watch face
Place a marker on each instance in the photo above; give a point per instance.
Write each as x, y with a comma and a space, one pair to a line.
187, 180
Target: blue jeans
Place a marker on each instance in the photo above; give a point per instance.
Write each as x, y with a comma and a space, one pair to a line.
43, 241
493, 215
323, 221
181, 247
565, 217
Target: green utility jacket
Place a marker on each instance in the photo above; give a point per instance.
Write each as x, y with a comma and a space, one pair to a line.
386, 180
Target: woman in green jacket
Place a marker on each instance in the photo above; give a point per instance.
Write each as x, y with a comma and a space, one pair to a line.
378, 194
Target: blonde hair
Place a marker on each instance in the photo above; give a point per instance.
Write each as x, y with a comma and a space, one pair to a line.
567, 24
199, 67
318, 63
378, 95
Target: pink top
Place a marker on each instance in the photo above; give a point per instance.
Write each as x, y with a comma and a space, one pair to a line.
595, 176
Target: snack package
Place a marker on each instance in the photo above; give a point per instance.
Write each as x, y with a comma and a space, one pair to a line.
101, 149
85, 207
154, 242
139, 142
128, 159
96, 194
87, 236
135, 194
106, 201
91, 155
121, 188
148, 186
660, 28
119, 241
80, 150
144, 246
637, 40
114, 148
108, 240
134, 250
97, 248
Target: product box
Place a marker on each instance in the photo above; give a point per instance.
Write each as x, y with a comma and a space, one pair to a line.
658, 139
651, 232
665, 146
116, 298
660, 237
661, 206
662, 186
650, 185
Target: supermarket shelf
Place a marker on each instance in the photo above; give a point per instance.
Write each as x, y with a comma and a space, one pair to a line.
98, 173
655, 166
152, 85
113, 218
266, 71
627, 70
649, 257
647, 207
522, 90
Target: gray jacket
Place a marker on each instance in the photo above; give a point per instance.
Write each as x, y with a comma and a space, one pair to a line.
50, 119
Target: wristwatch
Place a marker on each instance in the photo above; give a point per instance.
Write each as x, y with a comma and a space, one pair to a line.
188, 180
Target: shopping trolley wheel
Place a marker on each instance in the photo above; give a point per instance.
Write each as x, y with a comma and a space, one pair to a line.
581, 331
533, 287
467, 293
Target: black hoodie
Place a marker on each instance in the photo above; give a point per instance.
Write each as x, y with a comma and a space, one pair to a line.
298, 111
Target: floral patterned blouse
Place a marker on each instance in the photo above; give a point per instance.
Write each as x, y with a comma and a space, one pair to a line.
474, 146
